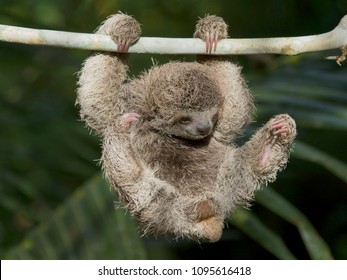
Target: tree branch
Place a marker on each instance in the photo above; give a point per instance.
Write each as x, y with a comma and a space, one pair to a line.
283, 45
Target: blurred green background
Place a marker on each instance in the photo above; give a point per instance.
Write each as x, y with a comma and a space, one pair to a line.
54, 203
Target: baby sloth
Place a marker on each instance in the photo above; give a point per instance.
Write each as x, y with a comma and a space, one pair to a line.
168, 134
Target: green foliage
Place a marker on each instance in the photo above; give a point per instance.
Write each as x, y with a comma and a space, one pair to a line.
85, 226
315, 245
254, 228
53, 206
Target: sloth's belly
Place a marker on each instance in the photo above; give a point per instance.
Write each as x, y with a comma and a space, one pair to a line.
188, 169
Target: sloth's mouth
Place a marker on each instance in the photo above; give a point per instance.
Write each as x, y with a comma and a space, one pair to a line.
193, 137
188, 138
193, 140
198, 135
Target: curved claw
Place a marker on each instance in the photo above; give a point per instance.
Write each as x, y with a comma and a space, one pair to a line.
215, 41
119, 47
123, 46
207, 43
211, 42
281, 131
276, 123
126, 46
279, 127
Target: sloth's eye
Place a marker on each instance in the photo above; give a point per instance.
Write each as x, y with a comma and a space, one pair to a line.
185, 120
215, 118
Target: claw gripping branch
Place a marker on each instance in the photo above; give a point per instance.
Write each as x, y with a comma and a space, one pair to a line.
285, 45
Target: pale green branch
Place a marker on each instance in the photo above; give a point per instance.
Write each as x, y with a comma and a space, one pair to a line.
282, 45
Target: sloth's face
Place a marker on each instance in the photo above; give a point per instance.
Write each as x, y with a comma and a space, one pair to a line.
193, 125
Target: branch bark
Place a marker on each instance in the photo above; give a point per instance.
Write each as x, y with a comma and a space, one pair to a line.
281, 45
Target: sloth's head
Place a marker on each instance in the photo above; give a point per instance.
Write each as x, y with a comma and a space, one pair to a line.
182, 100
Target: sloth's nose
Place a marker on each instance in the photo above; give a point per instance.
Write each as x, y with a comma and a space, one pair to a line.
204, 129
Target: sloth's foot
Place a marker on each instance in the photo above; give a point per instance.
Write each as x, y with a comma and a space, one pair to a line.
211, 29
210, 223
211, 229
281, 129
123, 29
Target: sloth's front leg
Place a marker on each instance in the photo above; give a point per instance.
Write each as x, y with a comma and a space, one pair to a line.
103, 74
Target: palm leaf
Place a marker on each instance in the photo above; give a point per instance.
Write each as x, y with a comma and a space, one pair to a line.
85, 226
315, 245
255, 229
312, 92
309, 153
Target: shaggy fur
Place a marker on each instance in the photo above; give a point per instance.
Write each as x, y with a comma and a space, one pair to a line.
168, 135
